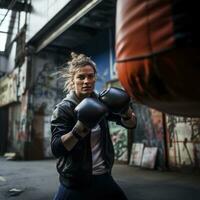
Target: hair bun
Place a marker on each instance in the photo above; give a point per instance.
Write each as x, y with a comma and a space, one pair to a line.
74, 55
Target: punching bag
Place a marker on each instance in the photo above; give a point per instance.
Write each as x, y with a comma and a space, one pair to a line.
158, 54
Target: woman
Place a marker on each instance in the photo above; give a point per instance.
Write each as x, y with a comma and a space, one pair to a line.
85, 155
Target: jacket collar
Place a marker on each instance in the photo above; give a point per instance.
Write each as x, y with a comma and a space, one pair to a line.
71, 96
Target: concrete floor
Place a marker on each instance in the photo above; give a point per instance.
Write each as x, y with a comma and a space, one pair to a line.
38, 180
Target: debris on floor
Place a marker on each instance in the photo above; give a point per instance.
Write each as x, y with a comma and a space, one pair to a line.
15, 192
11, 156
2, 179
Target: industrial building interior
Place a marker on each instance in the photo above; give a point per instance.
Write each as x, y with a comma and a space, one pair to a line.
148, 48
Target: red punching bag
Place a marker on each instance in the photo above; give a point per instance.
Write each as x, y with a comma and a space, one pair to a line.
158, 54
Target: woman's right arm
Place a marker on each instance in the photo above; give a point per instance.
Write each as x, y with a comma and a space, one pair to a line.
78, 132
64, 135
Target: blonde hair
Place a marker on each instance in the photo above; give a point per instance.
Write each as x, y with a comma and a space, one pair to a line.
72, 66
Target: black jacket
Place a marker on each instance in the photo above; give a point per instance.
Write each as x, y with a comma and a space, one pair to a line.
75, 166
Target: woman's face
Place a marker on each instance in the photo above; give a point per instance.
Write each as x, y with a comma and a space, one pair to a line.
84, 81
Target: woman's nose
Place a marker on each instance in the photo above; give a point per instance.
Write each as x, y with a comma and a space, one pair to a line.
86, 80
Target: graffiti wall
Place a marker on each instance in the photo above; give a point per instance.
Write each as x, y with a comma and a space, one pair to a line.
15, 96
149, 131
46, 92
183, 141
17, 128
119, 139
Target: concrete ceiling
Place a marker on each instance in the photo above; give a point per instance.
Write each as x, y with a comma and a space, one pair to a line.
102, 16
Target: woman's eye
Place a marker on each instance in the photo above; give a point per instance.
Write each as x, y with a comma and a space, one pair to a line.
81, 77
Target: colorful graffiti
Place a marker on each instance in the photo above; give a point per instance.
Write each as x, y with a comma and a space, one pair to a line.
119, 139
149, 131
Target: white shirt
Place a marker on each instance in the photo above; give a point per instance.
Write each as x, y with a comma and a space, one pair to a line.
98, 164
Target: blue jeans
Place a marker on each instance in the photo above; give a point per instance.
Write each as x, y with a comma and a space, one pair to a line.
102, 187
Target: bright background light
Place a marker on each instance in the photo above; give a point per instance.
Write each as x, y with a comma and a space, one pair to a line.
4, 27
3, 37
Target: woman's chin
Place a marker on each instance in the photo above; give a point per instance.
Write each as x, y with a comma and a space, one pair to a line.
86, 94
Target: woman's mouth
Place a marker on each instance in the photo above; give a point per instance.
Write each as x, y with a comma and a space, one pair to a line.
87, 88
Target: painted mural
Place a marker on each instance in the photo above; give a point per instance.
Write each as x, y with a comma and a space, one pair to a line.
119, 139
48, 89
47, 92
149, 131
183, 141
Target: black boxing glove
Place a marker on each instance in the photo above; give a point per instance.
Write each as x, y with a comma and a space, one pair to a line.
90, 112
117, 100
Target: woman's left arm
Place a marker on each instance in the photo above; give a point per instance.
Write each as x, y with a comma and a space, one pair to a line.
128, 119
